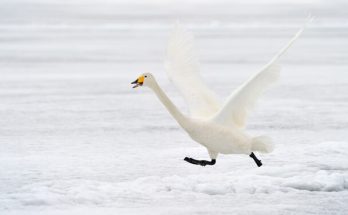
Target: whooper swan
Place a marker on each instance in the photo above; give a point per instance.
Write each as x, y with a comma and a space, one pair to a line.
219, 128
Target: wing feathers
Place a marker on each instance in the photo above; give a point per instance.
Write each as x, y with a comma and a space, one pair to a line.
241, 101
182, 66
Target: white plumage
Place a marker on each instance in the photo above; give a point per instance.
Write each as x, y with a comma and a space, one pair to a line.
182, 66
217, 126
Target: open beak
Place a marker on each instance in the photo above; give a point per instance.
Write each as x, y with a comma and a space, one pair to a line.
138, 82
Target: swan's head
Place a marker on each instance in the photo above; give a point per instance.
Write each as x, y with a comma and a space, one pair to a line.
145, 79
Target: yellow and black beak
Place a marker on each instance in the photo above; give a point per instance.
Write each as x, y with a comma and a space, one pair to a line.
138, 82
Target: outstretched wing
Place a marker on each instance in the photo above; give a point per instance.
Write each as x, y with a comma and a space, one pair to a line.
235, 110
182, 66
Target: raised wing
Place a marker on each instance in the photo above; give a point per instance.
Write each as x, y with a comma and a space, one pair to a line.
240, 102
182, 66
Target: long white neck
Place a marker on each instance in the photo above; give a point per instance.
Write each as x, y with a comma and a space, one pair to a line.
173, 110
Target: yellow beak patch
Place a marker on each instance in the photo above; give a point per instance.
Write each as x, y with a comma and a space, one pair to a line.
141, 79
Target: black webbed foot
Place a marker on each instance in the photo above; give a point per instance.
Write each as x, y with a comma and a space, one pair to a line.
200, 162
257, 161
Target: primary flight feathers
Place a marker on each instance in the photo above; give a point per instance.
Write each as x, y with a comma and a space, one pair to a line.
182, 66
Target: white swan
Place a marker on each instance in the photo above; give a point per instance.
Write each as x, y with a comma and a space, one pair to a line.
220, 128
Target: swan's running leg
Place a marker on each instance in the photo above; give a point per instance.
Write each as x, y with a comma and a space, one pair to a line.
212, 155
200, 162
257, 161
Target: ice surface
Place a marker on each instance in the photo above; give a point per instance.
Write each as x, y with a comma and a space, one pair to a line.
75, 138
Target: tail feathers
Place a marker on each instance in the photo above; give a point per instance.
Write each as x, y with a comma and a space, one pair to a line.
262, 144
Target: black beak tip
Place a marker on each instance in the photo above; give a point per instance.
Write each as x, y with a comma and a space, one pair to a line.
134, 82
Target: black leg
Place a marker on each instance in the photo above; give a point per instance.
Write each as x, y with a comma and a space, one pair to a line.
200, 162
257, 161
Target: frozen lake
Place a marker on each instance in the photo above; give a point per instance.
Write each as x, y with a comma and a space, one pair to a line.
75, 138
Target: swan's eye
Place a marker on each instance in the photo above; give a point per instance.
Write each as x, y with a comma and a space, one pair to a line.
145, 76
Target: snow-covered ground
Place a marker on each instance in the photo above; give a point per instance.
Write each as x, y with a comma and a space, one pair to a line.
75, 138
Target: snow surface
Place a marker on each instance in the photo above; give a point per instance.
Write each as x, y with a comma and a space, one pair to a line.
75, 138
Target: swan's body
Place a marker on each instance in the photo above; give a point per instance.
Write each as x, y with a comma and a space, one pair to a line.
220, 139
218, 127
